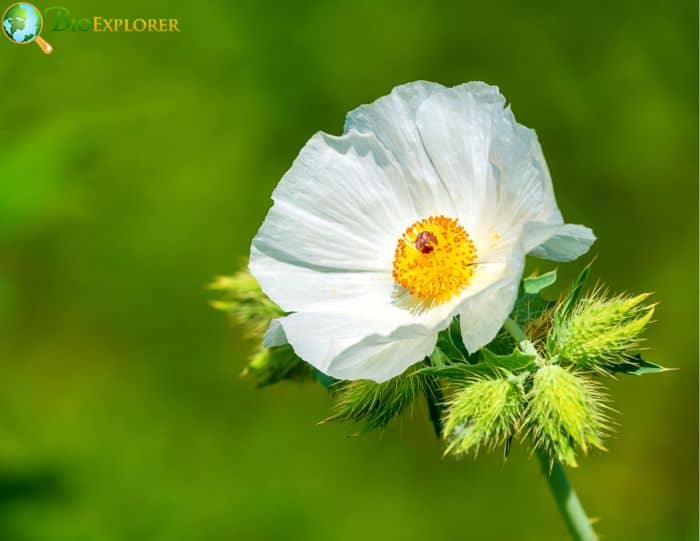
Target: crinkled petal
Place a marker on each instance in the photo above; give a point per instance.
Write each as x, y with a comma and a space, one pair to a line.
565, 243
365, 339
524, 186
457, 126
352, 346
482, 316
297, 287
493, 167
382, 358
275, 336
392, 119
326, 248
338, 211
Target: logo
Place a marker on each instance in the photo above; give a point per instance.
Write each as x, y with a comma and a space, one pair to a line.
22, 24
63, 21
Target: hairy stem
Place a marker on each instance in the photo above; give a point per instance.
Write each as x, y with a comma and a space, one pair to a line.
514, 330
570, 507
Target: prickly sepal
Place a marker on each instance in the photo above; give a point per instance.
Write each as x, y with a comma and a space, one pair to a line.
485, 413
272, 365
376, 404
565, 412
249, 307
245, 302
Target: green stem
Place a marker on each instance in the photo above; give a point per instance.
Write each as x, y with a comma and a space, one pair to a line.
514, 330
570, 507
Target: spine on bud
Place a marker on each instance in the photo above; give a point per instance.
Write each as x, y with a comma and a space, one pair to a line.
483, 414
600, 333
272, 365
377, 403
566, 410
245, 302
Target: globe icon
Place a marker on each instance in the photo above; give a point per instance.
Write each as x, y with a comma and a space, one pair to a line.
22, 22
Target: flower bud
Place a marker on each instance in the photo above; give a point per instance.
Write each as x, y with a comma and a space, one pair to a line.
245, 302
599, 332
377, 403
271, 365
483, 414
565, 411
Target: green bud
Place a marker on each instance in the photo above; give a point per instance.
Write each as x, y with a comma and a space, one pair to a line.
245, 302
271, 365
377, 403
485, 413
565, 412
598, 332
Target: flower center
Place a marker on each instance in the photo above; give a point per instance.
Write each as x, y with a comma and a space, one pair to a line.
434, 259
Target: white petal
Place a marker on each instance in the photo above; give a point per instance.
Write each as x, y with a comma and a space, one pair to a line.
457, 126
565, 243
326, 248
338, 211
296, 287
381, 359
482, 315
274, 336
376, 336
392, 119
525, 191
352, 347
492, 166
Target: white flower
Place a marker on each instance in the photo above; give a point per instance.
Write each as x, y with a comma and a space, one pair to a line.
422, 210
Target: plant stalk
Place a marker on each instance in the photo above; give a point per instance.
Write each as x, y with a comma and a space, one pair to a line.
514, 330
570, 507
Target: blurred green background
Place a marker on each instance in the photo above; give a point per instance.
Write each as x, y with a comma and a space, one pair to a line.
137, 167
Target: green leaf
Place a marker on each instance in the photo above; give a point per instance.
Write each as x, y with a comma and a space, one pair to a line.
450, 343
517, 361
639, 367
530, 303
438, 358
502, 344
491, 364
532, 285
529, 307
574, 293
458, 371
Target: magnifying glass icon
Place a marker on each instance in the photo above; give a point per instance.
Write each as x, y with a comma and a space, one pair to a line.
22, 23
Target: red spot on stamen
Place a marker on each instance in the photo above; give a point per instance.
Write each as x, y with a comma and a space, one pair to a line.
426, 242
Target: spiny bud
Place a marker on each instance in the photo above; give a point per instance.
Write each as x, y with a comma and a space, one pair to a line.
271, 365
483, 414
245, 302
565, 411
376, 403
600, 332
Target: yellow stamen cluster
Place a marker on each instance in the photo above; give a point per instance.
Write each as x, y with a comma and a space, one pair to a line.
434, 259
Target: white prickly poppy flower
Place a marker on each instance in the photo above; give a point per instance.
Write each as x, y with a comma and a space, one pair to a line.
422, 210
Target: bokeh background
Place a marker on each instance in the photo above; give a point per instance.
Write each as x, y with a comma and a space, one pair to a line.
137, 167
